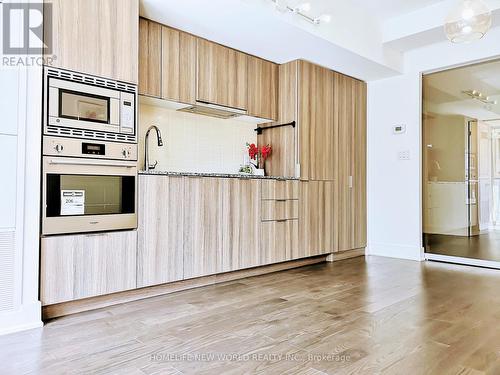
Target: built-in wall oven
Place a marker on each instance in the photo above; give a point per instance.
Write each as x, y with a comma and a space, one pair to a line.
89, 166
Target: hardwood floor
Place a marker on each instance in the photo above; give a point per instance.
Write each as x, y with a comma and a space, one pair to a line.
373, 316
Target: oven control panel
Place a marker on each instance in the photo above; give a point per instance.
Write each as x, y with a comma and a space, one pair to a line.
72, 147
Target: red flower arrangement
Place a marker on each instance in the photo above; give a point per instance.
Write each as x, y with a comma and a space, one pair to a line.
259, 154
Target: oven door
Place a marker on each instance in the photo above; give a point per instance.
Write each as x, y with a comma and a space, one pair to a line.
88, 195
82, 106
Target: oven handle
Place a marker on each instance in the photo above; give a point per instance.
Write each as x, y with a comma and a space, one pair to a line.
97, 163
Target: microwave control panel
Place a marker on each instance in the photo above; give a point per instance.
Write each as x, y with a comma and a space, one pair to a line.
127, 113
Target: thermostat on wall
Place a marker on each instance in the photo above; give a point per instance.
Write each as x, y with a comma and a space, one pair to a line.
399, 129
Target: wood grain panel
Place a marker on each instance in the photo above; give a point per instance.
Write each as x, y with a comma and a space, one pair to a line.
178, 66
262, 88
187, 66
241, 225
316, 218
98, 37
160, 230
202, 225
150, 65
222, 75
273, 189
80, 266
344, 105
283, 159
280, 210
170, 63
316, 122
279, 240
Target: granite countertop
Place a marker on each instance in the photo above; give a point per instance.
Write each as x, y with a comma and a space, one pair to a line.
220, 175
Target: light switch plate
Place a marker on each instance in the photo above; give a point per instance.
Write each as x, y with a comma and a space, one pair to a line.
404, 155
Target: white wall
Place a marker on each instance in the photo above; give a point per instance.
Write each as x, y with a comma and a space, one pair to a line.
20, 131
194, 143
394, 187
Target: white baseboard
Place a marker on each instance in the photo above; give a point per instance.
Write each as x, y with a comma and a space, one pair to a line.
396, 251
28, 316
465, 261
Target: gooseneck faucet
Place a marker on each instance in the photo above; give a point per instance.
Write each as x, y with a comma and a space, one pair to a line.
147, 166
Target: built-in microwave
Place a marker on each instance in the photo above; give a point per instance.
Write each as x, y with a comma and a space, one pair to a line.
84, 106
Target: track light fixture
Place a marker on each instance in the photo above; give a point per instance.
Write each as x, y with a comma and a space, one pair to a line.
301, 10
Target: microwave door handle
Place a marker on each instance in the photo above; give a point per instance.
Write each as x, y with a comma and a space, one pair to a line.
99, 164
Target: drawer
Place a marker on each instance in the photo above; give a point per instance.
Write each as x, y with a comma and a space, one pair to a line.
279, 240
280, 209
273, 189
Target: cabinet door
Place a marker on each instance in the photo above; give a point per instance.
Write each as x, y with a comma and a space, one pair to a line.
80, 266
241, 223
316, 218
317, 138
178, 66
98, 37
160, 230
222, 75
202, 225
262, 88
279, 240
149, 58
351, 171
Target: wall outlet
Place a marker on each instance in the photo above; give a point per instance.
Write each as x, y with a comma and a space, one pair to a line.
404, 155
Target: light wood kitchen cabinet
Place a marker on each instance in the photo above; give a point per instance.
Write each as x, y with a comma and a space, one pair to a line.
160, 230
222, 75
351, 171
317, 138
241, 225
306, 96
80, 266
97, 37
262, 88
202, 225
279, 240
178, 66
316, 218
150, 40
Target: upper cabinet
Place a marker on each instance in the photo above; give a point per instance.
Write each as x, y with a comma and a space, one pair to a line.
149, 58
222, 75
98, 37
262, 88
178, 66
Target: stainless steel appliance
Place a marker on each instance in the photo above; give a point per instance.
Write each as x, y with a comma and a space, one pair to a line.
89, 164
96, 191
83, 106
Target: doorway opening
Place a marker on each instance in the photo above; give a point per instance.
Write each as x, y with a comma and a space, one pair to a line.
461, 165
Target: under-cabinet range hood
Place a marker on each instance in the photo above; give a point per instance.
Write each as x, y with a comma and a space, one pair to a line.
213, 110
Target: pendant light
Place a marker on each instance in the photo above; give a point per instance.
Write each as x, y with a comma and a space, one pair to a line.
469, 21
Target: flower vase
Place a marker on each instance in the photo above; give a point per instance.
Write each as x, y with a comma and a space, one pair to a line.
260, 171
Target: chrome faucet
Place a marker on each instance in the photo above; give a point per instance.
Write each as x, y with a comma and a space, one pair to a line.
147, 166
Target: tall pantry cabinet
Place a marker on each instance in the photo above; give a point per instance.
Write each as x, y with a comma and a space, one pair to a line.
328, 151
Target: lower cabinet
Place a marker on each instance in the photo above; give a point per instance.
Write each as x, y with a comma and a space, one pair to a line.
80, 266
160, 230
241, 225
316, 218
202, 225
279, 240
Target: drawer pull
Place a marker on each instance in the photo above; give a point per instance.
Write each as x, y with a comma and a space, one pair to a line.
280, 200
281, 220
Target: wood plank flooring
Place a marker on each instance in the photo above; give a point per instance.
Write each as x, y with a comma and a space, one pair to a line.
358, 316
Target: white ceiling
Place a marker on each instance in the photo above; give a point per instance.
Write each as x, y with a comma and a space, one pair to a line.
390, 8
366, 39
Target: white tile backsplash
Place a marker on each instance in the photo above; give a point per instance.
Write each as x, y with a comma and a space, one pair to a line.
194, 143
